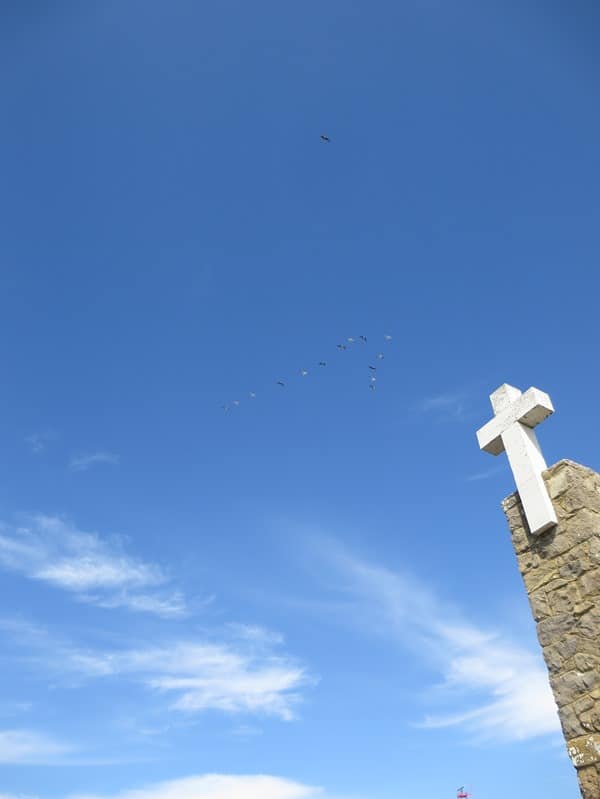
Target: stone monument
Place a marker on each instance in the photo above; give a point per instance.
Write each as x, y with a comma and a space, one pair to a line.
554, 520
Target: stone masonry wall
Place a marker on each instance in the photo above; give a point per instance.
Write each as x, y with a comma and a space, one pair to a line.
561, 572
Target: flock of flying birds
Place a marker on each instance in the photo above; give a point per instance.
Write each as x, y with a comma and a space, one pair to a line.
303, 372
372, 369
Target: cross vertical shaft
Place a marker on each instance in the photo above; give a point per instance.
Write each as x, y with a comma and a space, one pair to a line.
511, 430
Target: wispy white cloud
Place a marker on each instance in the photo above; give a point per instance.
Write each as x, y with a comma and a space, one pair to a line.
485, 474
51, 550
204, 676
218, 786
25, 746
449, 406
504, 686
168, 606
14, 796
246, 731
80, 463
37, 442
214, 786
256, 634
236, 676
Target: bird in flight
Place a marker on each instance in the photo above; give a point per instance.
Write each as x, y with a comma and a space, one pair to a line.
346, 343
325, 138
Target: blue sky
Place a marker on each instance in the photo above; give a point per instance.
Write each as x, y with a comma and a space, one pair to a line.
312, 594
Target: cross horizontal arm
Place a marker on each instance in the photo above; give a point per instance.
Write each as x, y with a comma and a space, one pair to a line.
531, 408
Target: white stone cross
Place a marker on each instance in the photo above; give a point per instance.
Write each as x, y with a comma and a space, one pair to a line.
511, 429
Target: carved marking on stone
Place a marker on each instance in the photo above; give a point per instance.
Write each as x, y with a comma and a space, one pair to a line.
511, 430
584, 750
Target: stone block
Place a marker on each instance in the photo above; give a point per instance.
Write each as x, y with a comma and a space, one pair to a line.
556, 583
592, 485
572, 685
582, 607
557, 481
584, 750
571, 726
571, 569
517, 524
585, 661
582, 526
580, 558
569, 686
582, 705
563, 600
557, 655
590, 720
590, 583
587, 645
555, 628
529, 561
558, 542
576, 497
542, 579
539, 605
589, 782
520, 541
589, 624
554, 661
594, 550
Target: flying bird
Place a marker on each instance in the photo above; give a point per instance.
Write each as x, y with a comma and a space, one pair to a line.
303, 372
325, 138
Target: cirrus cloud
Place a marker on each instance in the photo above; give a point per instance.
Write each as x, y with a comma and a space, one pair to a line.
81, 463
503, 684
28, 747
217, 786
202, 676
51, 550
